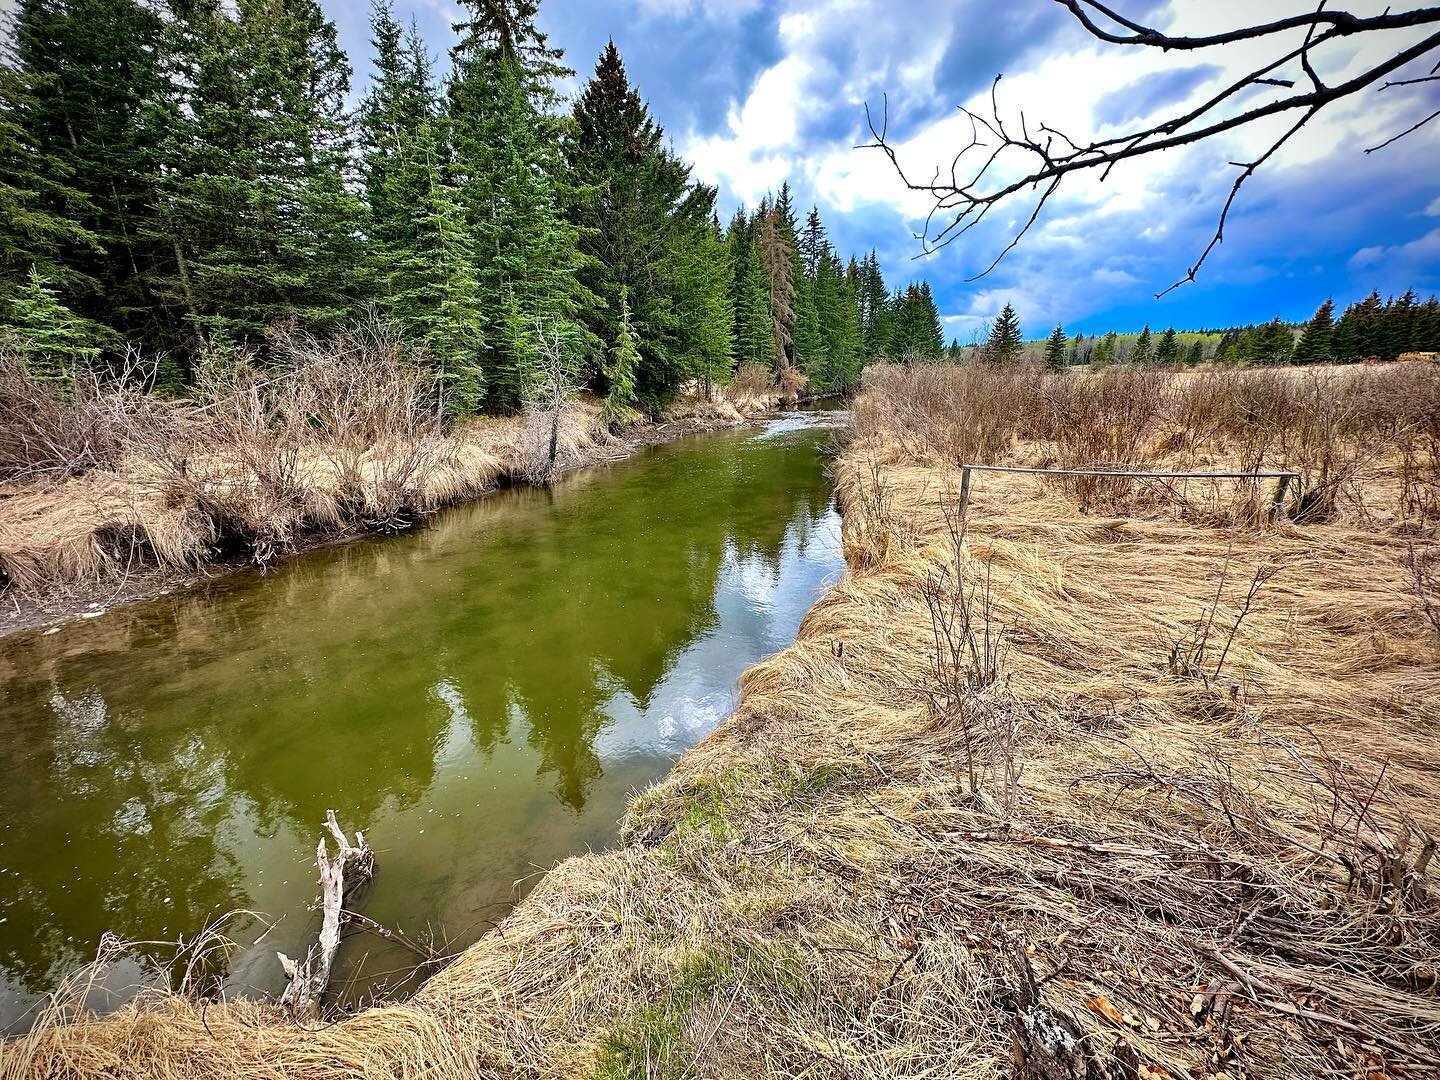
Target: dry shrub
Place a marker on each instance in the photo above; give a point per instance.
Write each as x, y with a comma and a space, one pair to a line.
329, 435
1334, 427
752, 384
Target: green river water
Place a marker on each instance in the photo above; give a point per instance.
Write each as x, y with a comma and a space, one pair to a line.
480, 697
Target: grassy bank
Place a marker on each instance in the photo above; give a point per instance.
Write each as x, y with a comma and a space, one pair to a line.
1101, 781
108, 492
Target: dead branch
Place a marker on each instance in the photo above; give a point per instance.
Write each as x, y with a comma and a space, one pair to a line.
340, 877
966, 195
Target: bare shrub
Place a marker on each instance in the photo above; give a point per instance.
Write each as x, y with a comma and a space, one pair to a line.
752, 383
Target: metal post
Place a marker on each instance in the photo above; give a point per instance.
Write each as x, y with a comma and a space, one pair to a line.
1279, 503
964, 489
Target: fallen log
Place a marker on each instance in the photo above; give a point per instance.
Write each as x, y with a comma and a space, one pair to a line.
340, 877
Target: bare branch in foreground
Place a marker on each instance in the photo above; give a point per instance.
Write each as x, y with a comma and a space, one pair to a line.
976, 180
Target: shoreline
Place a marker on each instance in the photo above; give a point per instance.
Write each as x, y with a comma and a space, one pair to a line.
49, 613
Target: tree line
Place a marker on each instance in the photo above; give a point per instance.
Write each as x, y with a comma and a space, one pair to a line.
181, 176
1368, 329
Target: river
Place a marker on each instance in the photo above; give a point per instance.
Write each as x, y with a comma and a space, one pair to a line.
480, 696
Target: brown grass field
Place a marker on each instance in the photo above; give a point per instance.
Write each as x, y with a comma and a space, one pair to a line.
1105, 780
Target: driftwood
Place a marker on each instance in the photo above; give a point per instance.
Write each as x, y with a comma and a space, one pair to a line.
351, 867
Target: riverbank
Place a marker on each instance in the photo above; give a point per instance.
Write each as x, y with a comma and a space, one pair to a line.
1144, 790
82, 546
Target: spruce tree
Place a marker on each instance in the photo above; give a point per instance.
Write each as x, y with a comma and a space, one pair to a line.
1168, 351
1055, 348
39, 233
95, 67
696, 268
400, 151
750, 299
1315, 340
506, 162
1195, 353
620, 368
874, 306
1106, 350
50, 338
1004, 344
1140, 352
636, 210
775, 256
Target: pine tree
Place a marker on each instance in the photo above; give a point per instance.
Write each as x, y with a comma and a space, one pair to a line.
1315, 340
1168, 351
1005, 343
51, 338
1195, 353
1055, 348
506, 162
1140, 352
1106, 350
95, 68
620, 368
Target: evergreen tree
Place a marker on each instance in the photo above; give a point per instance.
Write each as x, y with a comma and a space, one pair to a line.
1005, 343
750, 298
874, 306
1168, 351
1315, 340
1195, 353
1140, 352
633, 203
1106, 350
51, 338
1055, 348
697, 267
38, 208
506, 162
94, 66
621, 367
400, 148
432, 288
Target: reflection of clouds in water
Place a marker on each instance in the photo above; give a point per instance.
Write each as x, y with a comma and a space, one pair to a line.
759, 604
457, 741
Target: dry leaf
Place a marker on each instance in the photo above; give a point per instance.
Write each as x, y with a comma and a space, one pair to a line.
1102, 1006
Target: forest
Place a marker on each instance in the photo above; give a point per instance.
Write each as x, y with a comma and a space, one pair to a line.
178, 180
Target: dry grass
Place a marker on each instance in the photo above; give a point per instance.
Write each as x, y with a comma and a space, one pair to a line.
333, 437
1171, 818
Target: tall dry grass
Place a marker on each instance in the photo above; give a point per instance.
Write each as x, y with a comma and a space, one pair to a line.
1331, 425
330, 436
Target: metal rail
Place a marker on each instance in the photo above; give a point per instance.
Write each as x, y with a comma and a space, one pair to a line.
1284, 479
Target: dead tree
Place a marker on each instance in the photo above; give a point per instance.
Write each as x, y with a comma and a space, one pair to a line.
551, 396
352, 866
1007, 157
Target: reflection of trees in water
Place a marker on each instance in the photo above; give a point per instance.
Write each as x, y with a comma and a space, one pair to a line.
138, 739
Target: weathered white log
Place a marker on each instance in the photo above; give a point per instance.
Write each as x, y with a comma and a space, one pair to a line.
351, 867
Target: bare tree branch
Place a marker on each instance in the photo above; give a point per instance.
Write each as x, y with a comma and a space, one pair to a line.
964, 197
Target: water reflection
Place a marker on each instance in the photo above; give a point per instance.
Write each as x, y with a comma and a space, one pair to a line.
479, 697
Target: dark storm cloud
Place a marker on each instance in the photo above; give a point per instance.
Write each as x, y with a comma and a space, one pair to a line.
1145, 96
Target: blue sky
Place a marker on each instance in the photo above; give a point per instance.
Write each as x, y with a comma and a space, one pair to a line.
754, 93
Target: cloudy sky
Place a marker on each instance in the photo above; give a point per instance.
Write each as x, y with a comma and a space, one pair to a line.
754, 93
